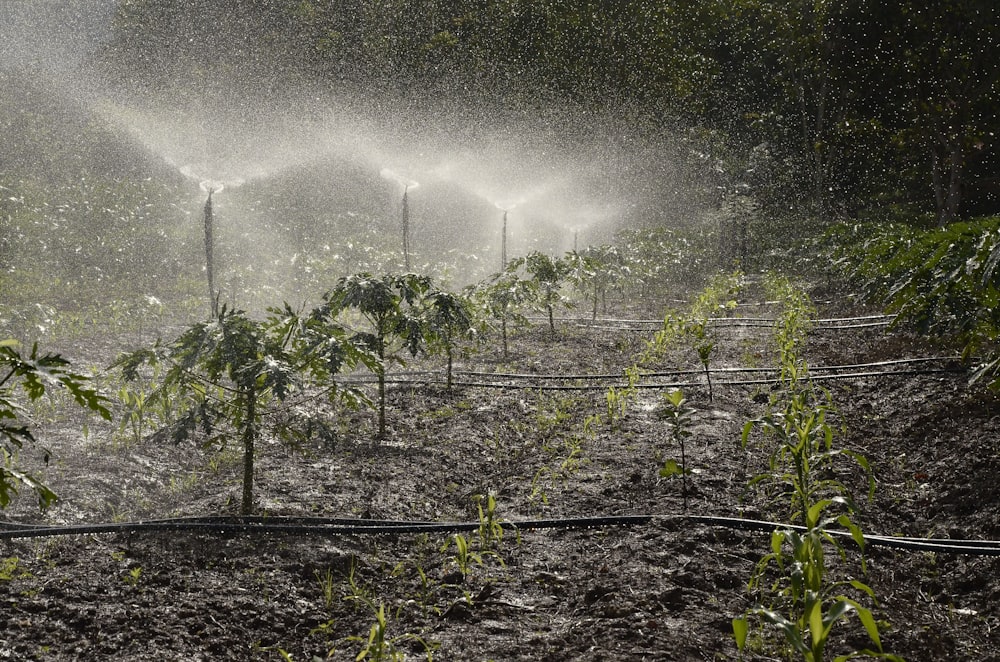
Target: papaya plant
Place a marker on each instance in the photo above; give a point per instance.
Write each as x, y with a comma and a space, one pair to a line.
678, 416
944, 281
227, 369
501, 297
447, 318
34, 375
390, 305
594, 271
548, 275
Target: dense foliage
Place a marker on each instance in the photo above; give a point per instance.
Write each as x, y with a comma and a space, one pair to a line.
830, 106
26, 378
942, 281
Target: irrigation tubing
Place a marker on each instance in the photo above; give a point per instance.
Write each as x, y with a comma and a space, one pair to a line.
540, 382
343, 527
770, 320
744, 323
408, 377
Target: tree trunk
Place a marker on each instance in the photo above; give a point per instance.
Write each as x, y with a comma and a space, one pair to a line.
249, 434
946, 175
380, 373
503, 333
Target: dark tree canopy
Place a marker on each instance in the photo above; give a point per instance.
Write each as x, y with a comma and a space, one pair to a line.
837, 106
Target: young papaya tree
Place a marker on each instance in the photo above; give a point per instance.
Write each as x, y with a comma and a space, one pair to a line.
501, 298
548, 274
227, 369
447, 319
594, 271
390, 304
34, 375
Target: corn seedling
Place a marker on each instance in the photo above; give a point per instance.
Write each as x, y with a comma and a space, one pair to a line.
809, 605
358, 594
791, 328
538, 495
380, 647
490, 527
10, 568
618, 399
804, 451
464, 556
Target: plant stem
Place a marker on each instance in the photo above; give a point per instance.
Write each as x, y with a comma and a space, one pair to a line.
249, 432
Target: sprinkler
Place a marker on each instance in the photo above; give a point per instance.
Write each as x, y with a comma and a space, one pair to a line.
210, 185
213, 297
407, 184
504, 207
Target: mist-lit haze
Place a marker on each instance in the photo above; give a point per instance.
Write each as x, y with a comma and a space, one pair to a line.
279, 155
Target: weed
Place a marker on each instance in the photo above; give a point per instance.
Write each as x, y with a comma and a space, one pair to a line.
326, 586
10, 568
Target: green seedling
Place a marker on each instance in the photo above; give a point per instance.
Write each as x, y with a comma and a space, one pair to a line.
678, 416
809, 604
10, 568
490, 525
704, 345
133, 576
380, 647
326, 586
464, 556
804, 455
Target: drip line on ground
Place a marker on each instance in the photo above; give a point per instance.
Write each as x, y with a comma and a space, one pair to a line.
522, 381
771, 320
226, 525
408, 377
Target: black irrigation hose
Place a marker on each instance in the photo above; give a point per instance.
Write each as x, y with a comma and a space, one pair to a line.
692, 371
676, 384
736, 323
970, 547
303, 525
326, 526
407, 377
645, 325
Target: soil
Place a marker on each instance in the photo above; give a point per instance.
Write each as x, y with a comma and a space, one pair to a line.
665, 590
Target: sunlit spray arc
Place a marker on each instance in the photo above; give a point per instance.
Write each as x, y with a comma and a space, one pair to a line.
407, 184
208, 181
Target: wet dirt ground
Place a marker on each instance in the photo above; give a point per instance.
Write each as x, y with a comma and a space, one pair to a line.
664, 590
